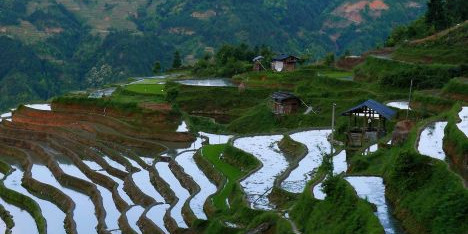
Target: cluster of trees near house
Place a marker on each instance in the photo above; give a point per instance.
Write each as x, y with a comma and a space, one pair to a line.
230, 60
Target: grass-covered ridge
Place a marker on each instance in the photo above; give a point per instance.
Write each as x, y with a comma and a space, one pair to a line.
392, 73
233, 164
457, 88
342, 211
448, 47
291, 148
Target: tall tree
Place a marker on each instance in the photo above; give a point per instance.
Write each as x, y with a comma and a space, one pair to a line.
177, 61
157, 67
436, 14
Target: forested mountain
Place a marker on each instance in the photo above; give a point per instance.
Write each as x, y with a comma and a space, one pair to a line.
52, 46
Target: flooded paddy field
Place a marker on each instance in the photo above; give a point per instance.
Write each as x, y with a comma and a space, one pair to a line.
207, 82
318, 145
83, 205
403, 105
181, 193
54, 216
207, 188
431, 140
259, 184
372, 189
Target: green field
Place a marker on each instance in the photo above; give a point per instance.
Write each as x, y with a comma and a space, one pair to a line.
157, 89
232, 173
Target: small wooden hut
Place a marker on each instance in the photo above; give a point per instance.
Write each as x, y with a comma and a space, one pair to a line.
367, 122
284, 62
284, 103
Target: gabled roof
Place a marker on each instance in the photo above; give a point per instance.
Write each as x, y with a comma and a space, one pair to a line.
378, 107
282, 57
281, 96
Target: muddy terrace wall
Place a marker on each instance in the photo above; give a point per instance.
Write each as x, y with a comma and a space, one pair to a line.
157, 131
142, 117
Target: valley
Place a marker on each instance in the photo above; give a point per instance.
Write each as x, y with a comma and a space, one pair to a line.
366, 144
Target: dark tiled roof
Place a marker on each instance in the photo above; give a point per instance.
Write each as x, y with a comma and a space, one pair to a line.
378, 107
281, 96
283, 57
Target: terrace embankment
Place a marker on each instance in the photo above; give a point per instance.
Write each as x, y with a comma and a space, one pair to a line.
188, 183
455, 145
162, 130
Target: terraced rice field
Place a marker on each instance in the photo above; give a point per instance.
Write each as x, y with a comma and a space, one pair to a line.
134, 179
102, 171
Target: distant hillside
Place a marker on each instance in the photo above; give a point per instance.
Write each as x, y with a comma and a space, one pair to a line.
71, 41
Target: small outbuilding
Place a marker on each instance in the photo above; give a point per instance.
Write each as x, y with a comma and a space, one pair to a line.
284, 103
284, 62
367, 122
257, 63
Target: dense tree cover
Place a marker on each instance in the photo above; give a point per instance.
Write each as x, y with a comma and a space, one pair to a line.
442, 14
11, 11
72, 59
288, 26
23, 75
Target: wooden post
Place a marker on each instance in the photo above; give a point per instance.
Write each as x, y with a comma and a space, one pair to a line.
409, 99
333, 129
365, 119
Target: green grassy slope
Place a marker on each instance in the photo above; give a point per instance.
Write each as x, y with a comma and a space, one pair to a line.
447, 47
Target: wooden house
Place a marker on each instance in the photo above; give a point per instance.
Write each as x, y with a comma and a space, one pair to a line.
284, 62
283, 103
367, 122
